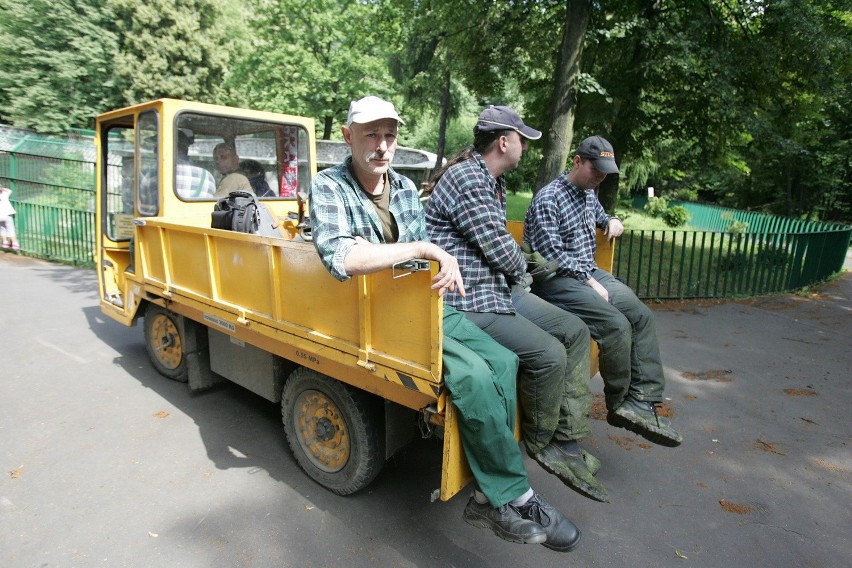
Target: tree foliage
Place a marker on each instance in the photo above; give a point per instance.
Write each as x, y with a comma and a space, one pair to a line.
55, 63
171, 48
313, 57
738, 102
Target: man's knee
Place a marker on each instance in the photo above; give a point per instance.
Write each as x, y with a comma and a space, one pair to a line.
643, 316
552, 355
574, 330
617, 329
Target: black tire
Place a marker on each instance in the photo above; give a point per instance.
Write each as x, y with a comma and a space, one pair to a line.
165, 343
333, 431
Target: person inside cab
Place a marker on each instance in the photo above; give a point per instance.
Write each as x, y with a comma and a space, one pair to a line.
228, 164
191, 181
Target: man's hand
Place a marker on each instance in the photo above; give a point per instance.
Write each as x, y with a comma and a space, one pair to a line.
596, 286
449, 276
614, 228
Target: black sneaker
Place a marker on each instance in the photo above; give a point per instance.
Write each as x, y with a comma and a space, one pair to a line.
505, 521
640, 417
562, 534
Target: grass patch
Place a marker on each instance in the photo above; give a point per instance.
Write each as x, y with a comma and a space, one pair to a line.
517, 205
701, 264
633, 219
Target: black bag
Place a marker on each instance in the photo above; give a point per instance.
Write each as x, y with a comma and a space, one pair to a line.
237, 212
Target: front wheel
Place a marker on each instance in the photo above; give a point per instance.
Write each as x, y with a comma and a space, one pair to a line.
333, 431
164, 342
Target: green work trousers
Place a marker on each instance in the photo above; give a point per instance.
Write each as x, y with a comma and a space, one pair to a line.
625, 330
480, 375
553, 348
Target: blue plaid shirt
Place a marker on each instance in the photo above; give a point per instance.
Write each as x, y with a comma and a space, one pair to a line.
560, 224
194, 182
466, 216
341, 211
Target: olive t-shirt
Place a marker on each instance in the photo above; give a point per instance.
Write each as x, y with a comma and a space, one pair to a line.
390, 230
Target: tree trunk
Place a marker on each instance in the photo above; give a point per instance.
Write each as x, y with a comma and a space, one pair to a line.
442, 127
328, 122
627, 109
559, 136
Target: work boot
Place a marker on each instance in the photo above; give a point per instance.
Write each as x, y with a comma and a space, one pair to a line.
593, 463
562, 534
640, 417
505, 521
572, 470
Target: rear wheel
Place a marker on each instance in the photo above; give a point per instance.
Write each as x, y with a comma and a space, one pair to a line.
164, 342
333, 431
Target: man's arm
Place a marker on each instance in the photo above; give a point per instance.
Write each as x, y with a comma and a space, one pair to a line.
479, 218
546, 238
610, 224
366, 257
345, 253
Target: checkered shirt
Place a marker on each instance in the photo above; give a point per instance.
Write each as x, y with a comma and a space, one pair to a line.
341, 211
194, 182
560, 224
466, 216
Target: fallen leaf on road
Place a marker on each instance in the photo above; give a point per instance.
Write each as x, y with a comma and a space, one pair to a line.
734, 508
767, 447
800, 392
161, 414
679, 554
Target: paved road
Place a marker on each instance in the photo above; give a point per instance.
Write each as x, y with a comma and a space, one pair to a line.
106, 463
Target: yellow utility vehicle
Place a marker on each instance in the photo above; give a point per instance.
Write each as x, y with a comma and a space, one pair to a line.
355, 366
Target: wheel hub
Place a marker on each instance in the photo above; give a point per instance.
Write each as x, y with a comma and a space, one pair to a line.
322, 431
168, 349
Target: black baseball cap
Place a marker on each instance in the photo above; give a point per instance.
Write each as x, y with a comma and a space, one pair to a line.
600, 152
504, 118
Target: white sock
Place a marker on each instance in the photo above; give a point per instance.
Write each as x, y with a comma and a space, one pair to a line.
480, 497
523, 498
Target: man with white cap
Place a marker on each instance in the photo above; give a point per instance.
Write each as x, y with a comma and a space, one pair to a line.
365, 217
466, 216
560, 224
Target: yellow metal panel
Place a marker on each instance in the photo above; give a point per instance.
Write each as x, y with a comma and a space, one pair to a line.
312, 298
401, 315
148, 252
455, 473
188, 262
516, 229
244, 275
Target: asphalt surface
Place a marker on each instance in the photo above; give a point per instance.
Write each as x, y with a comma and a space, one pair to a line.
107, 463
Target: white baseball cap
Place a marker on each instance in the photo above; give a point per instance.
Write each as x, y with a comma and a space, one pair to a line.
369, 109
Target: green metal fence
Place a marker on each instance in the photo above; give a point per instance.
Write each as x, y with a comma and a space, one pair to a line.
735, 253
706, 264
52, 179
53, 191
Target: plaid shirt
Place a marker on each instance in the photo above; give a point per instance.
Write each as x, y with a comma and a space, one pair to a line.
192, 181
466, 216
560, 224
341, 211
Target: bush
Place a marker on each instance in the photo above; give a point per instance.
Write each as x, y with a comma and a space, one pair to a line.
737, 227
676, 216
656, 206
683, 194
734, 227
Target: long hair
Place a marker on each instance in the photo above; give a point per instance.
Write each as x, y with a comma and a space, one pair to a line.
483, 141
